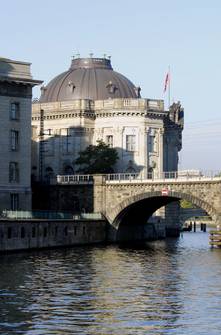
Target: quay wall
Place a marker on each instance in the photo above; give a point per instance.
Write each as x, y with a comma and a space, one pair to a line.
37, 234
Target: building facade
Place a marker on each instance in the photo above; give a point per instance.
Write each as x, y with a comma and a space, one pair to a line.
16, 85
91, 102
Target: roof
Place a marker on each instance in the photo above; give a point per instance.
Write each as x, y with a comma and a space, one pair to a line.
16, 71
89, 78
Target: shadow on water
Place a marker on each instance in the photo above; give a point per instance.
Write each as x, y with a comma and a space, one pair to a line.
169, 244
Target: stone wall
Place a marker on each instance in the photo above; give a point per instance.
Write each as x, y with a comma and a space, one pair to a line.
35, 234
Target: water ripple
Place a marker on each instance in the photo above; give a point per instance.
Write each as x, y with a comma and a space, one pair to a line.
165, 287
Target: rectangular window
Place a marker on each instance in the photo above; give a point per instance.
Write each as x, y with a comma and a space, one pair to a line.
13, 172
45, 232
109, 140
9, 232
151, 140
130, 142
48, 146
33, 232
14, 139
15, 111
56, 231
14, 201
22, 232
66, 141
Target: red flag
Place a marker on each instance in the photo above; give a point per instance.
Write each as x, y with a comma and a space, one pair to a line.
166, 82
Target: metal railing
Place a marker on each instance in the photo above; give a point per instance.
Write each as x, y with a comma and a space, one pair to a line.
123, 176
195, 175
75, 179
152, 176
48, 215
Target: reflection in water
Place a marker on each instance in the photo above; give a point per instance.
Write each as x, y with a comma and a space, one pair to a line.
164, 287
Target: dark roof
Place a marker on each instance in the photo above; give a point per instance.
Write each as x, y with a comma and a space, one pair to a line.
89, 78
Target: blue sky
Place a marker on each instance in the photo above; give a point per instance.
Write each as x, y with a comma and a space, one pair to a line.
143, 37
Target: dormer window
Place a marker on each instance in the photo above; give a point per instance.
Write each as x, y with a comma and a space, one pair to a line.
137, 90
43, 90
111, 87
71, 86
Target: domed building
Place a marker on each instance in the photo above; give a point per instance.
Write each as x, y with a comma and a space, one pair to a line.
91, 102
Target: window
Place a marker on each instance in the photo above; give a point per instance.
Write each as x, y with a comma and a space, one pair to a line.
13, 172
66, 231
48, 146
9, 232
66, 141
109, 140
111, 87
49, 173
68, 170
22, 232
14, 111
14, 201
151, 140
14, 138
130, 142
45, 232
33, 232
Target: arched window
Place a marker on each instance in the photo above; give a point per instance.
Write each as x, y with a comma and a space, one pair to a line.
49, 170
49, 173
75, 204
68, 170
130, 167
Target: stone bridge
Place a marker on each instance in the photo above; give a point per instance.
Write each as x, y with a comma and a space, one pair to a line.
192, 213
127, 201
131, 202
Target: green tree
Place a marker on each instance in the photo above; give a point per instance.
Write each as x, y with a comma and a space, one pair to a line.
98, 158
186, 204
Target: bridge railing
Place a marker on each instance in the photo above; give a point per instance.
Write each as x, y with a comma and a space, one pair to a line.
141, 176
48, 215
75, 179
177, 175
152, 176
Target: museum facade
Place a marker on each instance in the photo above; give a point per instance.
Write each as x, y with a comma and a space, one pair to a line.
90, 102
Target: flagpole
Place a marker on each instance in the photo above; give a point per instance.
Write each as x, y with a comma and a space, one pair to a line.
169, 88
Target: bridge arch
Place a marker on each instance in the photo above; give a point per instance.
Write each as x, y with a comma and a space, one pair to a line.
155, 200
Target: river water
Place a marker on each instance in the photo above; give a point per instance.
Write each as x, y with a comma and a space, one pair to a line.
163, 287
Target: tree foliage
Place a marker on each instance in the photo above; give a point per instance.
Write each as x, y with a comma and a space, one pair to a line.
98, 158
186, 204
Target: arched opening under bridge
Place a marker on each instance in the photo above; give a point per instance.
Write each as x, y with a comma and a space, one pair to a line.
131, 218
